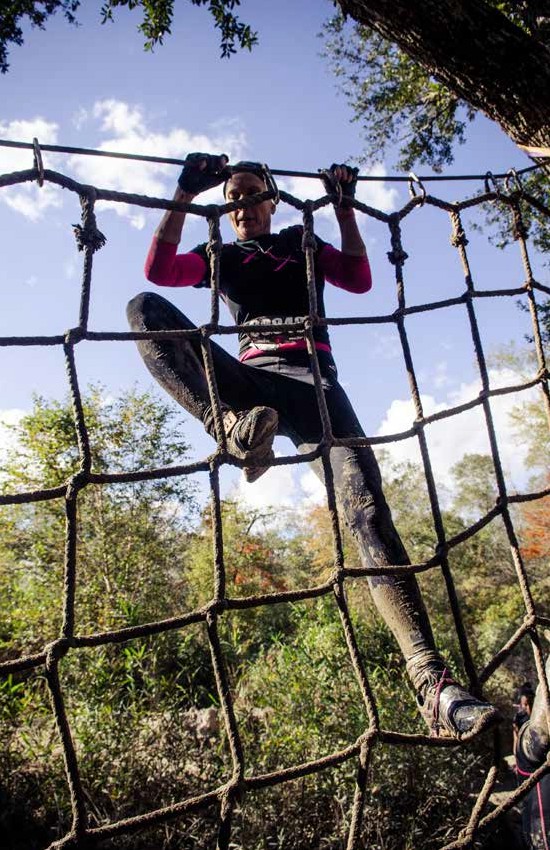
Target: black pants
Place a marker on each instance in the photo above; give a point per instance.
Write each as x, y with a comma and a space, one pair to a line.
286, 384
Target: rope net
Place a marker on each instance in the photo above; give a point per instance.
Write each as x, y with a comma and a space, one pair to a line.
514, 199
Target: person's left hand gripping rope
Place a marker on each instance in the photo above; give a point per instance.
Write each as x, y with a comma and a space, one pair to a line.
341, 179
202, 171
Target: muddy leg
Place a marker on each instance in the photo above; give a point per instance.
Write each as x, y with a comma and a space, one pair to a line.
359, 494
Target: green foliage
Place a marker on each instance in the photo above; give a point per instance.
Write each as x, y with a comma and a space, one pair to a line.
529, 419
394, 99
158, 15
528, 16
300, 701
475, 484
145, 714
259, 559
37, 14
499, 224
156, 23
131, 538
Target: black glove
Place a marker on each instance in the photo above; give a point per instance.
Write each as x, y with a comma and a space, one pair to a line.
201, 171
330, 183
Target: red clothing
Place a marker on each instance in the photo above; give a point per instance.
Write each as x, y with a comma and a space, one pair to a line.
165, 267
278, 264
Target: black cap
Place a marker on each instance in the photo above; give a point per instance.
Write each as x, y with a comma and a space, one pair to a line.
252, 167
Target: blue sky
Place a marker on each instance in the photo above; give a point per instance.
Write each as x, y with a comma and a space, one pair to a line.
93, 86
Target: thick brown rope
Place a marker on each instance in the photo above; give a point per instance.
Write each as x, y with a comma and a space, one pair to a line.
89, 240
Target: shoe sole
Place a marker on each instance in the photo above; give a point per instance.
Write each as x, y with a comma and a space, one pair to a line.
265, 430
252, 473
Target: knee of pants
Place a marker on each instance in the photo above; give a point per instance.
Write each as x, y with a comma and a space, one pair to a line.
359, 502
149, 311
360, 512
138, 307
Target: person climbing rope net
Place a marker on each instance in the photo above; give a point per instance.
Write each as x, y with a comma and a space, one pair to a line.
531, 746
270, 388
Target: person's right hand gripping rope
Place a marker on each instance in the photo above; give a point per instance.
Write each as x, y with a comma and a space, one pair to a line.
202, 171
340, 179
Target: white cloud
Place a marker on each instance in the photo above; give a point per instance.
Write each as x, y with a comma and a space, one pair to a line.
71, 267
297, 487
313, 489
28, 199
125, 129
387, 345
440, 376
291, 486
15, 159
375, 194
31, 200
465, 433
80, 118
276, 487
118, 117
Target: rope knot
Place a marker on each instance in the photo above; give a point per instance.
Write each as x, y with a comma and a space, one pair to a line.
520, 230
87, 234
233, 792
458, 238
397, 257
441, 551
88, 237
212, 609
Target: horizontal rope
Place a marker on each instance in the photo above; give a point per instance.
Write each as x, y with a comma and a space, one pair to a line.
279, 172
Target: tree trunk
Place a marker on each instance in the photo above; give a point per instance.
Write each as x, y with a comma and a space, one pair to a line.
476, 52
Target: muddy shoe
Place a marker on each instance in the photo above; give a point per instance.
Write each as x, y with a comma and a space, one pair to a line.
250, 434
450, 711
534, 739
252, 473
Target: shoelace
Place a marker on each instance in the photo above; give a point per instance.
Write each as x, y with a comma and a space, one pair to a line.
443, 680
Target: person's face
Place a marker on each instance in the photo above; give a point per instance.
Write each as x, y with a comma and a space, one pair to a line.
253, 221
525, 703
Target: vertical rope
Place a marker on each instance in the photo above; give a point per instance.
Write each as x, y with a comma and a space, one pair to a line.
217, 535
82, 437
520, 231
88, 239
213, 250
361, 781
398, 256
460, 242
54, 653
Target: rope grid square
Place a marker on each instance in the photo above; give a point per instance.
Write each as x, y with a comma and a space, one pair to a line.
227, 795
